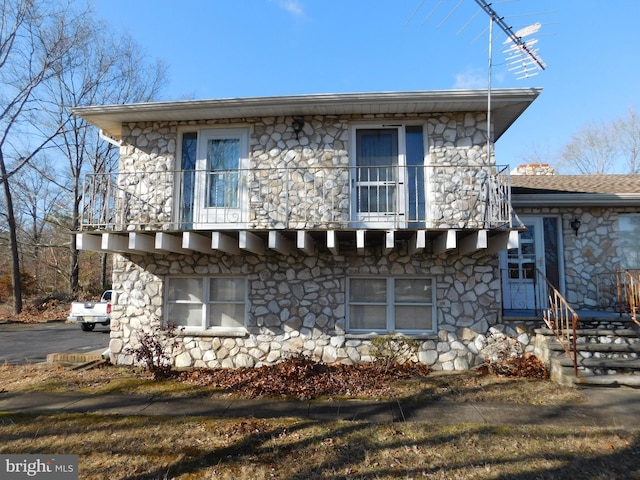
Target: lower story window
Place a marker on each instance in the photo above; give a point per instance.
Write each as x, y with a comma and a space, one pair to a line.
391, 304
206, 302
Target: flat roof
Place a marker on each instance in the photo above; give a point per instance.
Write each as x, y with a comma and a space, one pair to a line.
506, 106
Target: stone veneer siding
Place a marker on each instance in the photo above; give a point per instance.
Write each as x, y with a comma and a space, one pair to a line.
297, 304
303, 182
590, 257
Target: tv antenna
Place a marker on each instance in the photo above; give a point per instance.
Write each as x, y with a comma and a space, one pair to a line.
522, 57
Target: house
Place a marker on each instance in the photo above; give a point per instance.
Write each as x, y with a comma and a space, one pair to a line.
266, 227
581, 231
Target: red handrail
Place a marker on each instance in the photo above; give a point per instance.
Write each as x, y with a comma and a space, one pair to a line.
562, 320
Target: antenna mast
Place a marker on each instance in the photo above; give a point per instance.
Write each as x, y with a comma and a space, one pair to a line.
522, 54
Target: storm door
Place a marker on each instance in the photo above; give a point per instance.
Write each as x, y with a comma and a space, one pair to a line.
537, 249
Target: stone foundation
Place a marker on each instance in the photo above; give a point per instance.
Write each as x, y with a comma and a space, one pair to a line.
298, 305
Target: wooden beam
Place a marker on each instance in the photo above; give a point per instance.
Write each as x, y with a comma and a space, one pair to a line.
360, 241
475, 241
225, 243
251, 242
305, 243
445, 241
196, 241
171, 243
417, 242
332, 242
116, 242
279, 243
85, 241
143, 242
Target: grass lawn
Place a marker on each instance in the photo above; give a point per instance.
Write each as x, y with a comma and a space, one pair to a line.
123, 447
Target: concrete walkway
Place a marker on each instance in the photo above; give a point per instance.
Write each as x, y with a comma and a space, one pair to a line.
618, 408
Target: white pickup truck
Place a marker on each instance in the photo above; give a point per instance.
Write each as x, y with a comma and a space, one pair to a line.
88, 314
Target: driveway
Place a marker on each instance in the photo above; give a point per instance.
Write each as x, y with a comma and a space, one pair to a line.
32, 342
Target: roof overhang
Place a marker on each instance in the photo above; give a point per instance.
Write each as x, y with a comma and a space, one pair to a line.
506, 106
576, 200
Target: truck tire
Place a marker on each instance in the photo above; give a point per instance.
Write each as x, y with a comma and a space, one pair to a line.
87, 327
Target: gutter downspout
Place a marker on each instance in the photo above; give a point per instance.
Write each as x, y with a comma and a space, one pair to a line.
110, 139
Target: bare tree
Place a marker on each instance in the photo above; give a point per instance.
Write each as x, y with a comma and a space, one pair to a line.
114, 70
38, 202
35, 36
592, 150
603, 148
627, 133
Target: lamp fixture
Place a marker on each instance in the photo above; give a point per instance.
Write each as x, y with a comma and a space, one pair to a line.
297, 124
575, 224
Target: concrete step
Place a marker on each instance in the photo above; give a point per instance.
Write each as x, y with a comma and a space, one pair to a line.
596, 332
627, 364
555, 346
615, 380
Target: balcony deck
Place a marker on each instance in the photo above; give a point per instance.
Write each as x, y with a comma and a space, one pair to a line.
435, 208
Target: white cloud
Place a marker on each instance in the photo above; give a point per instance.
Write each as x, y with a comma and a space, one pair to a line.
470, 79
292, 6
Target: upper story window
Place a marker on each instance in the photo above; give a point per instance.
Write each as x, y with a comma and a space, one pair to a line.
213, 162
388, 184
391, 305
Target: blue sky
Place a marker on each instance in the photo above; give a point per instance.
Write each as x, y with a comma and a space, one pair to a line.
246, 48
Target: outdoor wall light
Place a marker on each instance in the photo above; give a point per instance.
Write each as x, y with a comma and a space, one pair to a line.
297, 125
575, 224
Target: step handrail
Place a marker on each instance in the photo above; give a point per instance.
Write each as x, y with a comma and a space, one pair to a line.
561, 319
631, 285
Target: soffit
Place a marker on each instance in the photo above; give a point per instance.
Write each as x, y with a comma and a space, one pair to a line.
507, 106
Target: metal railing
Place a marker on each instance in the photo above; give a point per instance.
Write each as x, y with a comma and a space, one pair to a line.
629, 292
299, 198
561, 319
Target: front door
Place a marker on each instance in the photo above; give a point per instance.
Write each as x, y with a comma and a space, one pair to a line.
519, 266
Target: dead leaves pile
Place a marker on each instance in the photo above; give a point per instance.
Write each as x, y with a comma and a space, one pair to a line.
303, 378
524, 366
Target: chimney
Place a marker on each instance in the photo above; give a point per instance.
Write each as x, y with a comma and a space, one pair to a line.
534, 169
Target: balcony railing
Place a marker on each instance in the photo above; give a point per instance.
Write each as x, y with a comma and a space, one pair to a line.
299, 198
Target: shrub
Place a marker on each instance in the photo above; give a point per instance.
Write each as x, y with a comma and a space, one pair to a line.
155, 349
388, 350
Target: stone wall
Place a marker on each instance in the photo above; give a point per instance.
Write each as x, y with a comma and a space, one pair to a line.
590, 257
297, 304
303, 181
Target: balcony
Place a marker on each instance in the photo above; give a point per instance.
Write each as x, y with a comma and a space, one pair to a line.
299, 198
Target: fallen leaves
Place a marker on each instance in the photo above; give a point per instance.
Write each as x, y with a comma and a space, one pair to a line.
302, 378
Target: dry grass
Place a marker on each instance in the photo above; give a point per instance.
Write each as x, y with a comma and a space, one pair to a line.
193, 448
458, 387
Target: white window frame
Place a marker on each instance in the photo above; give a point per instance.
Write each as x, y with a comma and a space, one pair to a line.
399, 218
220, 217
623, 231
390, 304
205, 304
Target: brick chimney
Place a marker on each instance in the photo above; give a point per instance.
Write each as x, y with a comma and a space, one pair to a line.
534, 169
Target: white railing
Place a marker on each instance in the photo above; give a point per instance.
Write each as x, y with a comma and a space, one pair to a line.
299, 198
